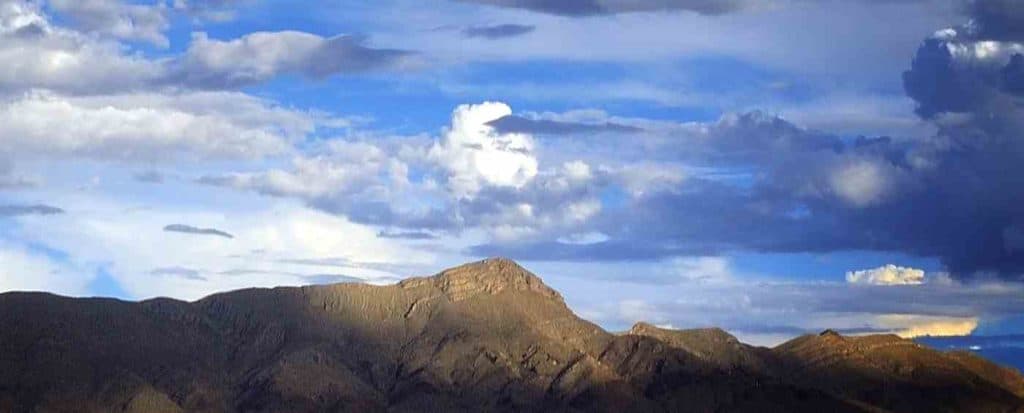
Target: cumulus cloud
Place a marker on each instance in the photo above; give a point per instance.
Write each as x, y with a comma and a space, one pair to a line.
256, 57
476, 155
188, 229
42, 55
500, 31
860, 183
886, 275
580, 8
37, 54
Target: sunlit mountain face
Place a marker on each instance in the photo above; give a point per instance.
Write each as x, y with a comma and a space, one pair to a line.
773, 168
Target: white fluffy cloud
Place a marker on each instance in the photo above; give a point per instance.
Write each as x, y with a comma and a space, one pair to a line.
476, 155
150, 126
37, 54
886, 275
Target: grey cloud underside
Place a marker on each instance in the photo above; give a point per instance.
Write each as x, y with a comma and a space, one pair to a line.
19, 210
411, 235
519, 124
583, 8
500, 31
996, 19
152, 177
253, 59
181, 272
188, 229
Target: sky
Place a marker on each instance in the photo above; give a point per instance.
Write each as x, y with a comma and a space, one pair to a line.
772, 167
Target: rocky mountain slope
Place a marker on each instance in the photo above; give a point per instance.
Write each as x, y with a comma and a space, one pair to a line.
486, 336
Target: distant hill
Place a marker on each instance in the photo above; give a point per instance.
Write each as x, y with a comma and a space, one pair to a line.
486, 336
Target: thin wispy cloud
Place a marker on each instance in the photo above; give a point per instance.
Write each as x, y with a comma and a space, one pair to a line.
188, 229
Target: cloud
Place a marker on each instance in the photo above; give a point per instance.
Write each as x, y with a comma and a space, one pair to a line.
886, 275
186, 273
784, 309
269, 236
476, 155
117, 18
412, 235
150, 126
187, 229
860, 183
519, 124
42, 55
259, 56
581, 8
151, 177
37, 54
22, 269
1001, 20
215, 10
702, 269
911, 326
38, 209
500, 31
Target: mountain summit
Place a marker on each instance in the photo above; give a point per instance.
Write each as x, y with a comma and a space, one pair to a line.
485, 336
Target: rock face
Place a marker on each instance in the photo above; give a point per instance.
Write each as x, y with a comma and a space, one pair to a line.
486, 336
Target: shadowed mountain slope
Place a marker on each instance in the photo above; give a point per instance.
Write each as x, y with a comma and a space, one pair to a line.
486, 336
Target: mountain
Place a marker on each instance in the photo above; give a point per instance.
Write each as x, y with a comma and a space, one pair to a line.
486, 336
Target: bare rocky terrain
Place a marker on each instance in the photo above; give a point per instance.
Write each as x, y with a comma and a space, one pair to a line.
486, 336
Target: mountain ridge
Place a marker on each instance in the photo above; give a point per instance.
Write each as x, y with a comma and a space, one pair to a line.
484, 336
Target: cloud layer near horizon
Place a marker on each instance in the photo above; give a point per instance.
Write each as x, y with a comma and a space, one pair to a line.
279, 134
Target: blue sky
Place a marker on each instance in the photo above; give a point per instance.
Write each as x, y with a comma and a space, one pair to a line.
770, 167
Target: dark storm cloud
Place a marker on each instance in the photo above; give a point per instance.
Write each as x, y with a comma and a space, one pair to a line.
519, 124
956, 196
500, 31
996, 19
188, 229
582, 8
38, 209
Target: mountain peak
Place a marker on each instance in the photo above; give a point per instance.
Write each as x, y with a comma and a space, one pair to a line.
829, 333
490, 276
